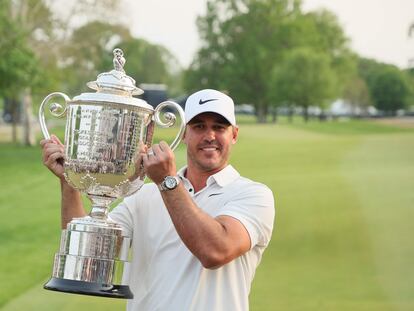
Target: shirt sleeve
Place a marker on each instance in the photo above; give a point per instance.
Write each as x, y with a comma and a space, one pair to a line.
255, 209
128, 213
122, 215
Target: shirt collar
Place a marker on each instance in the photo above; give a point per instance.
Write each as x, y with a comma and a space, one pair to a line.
181, 172
222, 178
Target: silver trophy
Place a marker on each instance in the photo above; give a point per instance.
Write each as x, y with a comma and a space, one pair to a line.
105, 131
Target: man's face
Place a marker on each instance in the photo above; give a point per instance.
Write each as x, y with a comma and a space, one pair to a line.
209, 138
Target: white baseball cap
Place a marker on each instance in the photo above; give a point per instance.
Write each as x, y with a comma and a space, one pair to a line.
209, 100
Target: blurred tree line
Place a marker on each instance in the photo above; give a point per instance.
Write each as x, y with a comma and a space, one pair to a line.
45, 48
268, 53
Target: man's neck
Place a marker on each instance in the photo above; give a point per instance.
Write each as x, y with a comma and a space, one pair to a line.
198, 178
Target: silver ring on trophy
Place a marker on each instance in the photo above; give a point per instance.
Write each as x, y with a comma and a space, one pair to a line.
105, 133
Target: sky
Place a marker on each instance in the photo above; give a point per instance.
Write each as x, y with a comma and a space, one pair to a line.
377, 28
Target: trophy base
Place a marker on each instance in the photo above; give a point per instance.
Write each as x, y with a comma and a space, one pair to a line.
88, 288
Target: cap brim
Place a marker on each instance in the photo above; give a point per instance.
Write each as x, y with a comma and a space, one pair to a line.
210, 111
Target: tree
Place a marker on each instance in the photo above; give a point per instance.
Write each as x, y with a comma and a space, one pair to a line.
151, 63
244, 40
61, 44
37, 24
88, 52
44, 33
388, 85
18, 64
391, 91
357, 94
17, 61
305, 78
319, 39
324, 35
80, 32
369, 69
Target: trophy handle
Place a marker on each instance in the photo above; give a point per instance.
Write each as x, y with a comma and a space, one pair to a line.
55, 109
170, 118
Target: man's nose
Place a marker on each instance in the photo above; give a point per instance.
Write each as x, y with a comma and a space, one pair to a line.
210, 135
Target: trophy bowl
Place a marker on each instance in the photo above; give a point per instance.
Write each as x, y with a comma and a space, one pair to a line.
104, 134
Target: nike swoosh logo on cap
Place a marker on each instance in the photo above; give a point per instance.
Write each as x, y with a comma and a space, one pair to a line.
202, 102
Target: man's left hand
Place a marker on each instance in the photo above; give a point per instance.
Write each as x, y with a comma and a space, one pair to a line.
159, 162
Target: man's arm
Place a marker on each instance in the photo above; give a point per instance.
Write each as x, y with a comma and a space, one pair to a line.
71, 202
214, 241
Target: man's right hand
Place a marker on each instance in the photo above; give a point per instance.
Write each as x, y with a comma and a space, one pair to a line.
53, 152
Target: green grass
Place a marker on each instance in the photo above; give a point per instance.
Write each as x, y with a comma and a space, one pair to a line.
350, 127
342, 240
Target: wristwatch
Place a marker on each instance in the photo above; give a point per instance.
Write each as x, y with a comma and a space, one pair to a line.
169, 183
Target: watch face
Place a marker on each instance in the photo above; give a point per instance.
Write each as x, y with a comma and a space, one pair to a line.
170, 182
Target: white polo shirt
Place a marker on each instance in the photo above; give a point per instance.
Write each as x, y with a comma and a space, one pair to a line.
165, 275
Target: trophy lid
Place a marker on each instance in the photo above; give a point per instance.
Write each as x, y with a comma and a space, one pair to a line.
115, 86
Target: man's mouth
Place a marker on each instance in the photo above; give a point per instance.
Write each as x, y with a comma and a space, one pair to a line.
209, 148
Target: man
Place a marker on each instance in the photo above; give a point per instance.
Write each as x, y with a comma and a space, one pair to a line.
199, 233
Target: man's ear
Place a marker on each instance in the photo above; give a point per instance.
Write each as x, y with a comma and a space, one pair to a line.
235, 134
184, 137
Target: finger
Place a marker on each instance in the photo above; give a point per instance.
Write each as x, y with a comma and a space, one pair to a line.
54, 153
139, 163
43, 142
142, 147
157, 150
53, 145
145, 160
52, 148
139, 160
150, 152
140, 157
56, 156
164, 146
56, 140
150, 159
166, 149
53, 158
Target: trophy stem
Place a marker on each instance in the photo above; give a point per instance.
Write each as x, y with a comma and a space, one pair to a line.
100, 206
99, 212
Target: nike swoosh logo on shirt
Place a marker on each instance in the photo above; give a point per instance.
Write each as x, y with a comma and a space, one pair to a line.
202, 102
215, 194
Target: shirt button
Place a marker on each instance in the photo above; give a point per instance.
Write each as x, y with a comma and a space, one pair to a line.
191, 190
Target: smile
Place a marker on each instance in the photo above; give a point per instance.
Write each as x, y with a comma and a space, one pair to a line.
209, 148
